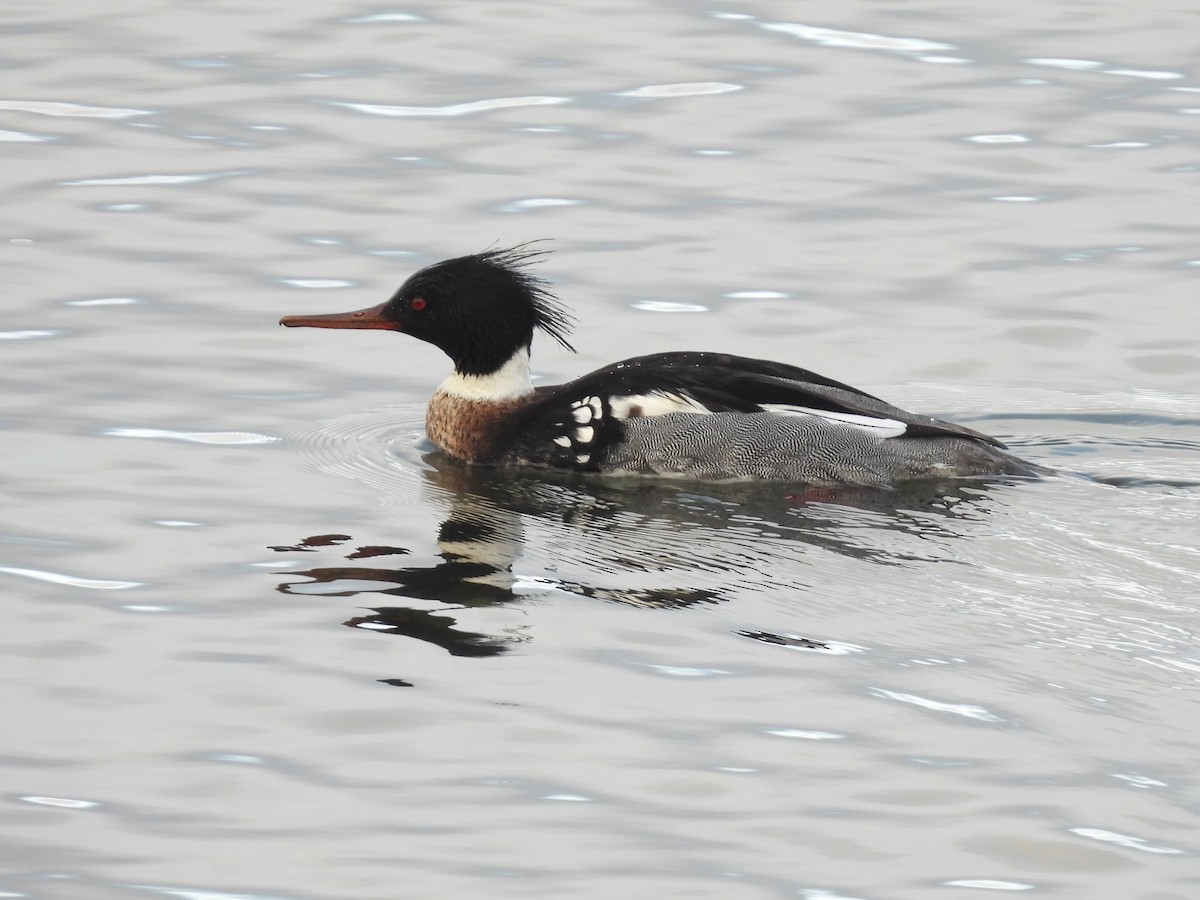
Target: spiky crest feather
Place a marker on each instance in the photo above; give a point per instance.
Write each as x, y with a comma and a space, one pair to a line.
548, 312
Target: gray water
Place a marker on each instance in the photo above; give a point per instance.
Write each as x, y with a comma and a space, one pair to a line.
570, 687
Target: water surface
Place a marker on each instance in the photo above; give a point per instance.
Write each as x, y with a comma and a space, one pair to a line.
262, 644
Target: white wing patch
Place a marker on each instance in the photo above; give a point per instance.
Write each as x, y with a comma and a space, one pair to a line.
656, 403
877, 425
661, 403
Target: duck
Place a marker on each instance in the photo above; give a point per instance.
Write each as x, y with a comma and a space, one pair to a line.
707, 416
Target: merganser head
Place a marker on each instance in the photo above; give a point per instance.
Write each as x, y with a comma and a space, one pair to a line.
479, 309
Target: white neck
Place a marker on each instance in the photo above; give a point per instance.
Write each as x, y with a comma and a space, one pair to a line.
508, 382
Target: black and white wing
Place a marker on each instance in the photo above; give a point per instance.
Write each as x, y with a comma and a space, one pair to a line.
717, 382
573, 425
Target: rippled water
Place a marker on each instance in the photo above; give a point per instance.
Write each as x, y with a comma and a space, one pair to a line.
559, 686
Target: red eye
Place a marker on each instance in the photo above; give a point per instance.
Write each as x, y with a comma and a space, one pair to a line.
417, 304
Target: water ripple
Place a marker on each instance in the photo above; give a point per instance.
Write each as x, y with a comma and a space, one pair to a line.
61, 803
861, 40
998, 139
158, 179
194, 893
93, 584
666, 306
532, 203
384, 17
27, 335
21, 137
683, 89
319, 283
454, 109
968, 710
105, 301
1095, 65
1078, 65
1145, 73
195, 437
55, 108
381, 447
805, 735
1124, 840
685, 671
989, 884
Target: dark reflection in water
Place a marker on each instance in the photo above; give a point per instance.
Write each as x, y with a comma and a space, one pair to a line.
632, 528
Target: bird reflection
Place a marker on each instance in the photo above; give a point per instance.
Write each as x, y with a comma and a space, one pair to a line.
623, 527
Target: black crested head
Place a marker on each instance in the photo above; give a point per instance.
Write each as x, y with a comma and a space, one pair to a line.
480, 309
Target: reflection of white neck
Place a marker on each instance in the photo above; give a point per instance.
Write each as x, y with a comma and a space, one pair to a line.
508, 382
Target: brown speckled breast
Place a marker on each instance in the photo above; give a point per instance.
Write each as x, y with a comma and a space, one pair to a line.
469, 429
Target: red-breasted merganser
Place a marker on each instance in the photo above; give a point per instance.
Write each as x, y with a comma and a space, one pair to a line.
701, 415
